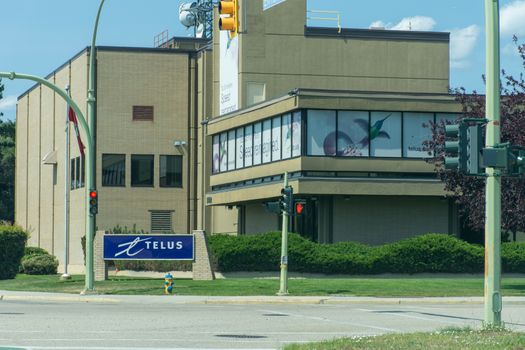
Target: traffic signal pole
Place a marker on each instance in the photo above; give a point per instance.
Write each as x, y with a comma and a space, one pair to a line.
492, 293
283, 288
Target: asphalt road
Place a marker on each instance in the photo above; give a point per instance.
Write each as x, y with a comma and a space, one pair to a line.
236, 323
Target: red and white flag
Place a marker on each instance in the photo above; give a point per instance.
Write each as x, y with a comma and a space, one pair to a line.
73, 118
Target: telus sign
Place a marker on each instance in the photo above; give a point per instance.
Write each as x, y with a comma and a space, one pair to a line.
148, 247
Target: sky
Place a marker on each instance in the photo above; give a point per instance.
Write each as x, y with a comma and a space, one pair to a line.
38, 36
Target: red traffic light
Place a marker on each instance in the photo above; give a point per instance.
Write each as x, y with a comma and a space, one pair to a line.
93, 194
299, 208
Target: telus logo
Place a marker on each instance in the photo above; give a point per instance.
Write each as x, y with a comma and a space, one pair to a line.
149, 245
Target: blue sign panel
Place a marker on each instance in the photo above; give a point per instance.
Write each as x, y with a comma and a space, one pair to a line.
148, 247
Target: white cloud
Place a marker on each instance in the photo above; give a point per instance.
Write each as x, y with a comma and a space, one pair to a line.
418, 23
512, 18
462, 43
7, 102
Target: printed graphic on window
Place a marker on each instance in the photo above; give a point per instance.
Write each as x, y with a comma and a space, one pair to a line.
223, 152
240, 148
296, 134
248, 146
276, 138
216, 154
416, 130
321, 133
267, 141
257, 145
352, 134
385, 134
231, 150
286, 136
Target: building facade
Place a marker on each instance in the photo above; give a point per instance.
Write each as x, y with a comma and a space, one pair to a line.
198, 135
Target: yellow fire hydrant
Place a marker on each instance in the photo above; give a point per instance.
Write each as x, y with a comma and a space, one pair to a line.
168, 283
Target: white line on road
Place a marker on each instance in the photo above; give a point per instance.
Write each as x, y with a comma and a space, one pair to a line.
323, 319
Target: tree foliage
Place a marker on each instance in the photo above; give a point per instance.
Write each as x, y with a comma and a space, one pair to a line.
468, 191
7, 166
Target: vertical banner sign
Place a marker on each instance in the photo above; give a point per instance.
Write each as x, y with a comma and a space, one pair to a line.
229, 73
271, 3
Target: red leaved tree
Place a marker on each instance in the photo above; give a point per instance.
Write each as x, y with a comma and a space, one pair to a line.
468, 191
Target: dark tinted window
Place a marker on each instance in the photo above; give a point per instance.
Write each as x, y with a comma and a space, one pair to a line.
141, 170
170, 171
113, 170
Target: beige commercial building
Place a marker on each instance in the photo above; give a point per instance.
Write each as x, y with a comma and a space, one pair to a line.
198, 135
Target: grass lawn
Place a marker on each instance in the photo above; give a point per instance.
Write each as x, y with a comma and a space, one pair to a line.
377, 287
465, 339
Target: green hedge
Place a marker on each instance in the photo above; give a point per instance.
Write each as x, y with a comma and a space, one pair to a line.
425, 253
12, 242
40, 264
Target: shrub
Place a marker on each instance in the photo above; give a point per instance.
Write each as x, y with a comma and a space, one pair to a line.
426, 253
12, 242
153, 265
40, 264
513, 257
35, 251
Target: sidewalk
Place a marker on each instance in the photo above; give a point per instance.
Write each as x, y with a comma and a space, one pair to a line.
188, 299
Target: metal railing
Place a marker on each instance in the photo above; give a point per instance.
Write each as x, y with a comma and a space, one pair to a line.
336, 17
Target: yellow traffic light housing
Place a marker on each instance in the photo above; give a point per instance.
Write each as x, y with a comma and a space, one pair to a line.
229, 16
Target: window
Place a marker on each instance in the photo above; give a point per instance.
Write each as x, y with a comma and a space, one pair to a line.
141, 170
113, 169
161, 221
143, 113
170, 171
76, 171
255, 93
276, 138
416, 130
267, 141
321, 133
385, 134
352, 133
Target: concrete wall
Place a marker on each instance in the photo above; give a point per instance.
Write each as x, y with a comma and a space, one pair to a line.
145, 78
381, 219
275, 51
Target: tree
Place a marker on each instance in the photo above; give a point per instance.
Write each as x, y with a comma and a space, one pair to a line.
7, 166
468, 191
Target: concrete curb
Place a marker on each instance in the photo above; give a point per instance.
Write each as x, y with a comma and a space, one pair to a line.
230, 300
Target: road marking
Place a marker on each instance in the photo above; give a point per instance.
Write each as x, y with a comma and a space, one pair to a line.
323, 319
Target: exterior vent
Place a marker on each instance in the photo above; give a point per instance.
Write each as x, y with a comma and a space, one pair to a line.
161, 221
143, 113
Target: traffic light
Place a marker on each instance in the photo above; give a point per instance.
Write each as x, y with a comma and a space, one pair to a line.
229, 16
455, 147
287, 200
516, 161
274, 207
300, 207
93, 202
473, 153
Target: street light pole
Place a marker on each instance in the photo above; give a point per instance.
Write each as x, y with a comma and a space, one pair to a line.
90, 175
493, 299
89, 141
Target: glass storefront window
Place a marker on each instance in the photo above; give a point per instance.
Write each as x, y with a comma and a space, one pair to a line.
216, 158
416, 130
239, 146
352, 133
286, 137
276, 139
267, 141
223, 155
296, 134
248, 146
231, 150
257, 143
321, 133
385, 134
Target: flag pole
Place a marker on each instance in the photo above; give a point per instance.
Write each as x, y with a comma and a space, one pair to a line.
66, 275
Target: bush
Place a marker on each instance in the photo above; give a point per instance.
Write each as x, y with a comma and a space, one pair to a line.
12, 242
513, 257
35, 251
426, 253
153, 265
40, 264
